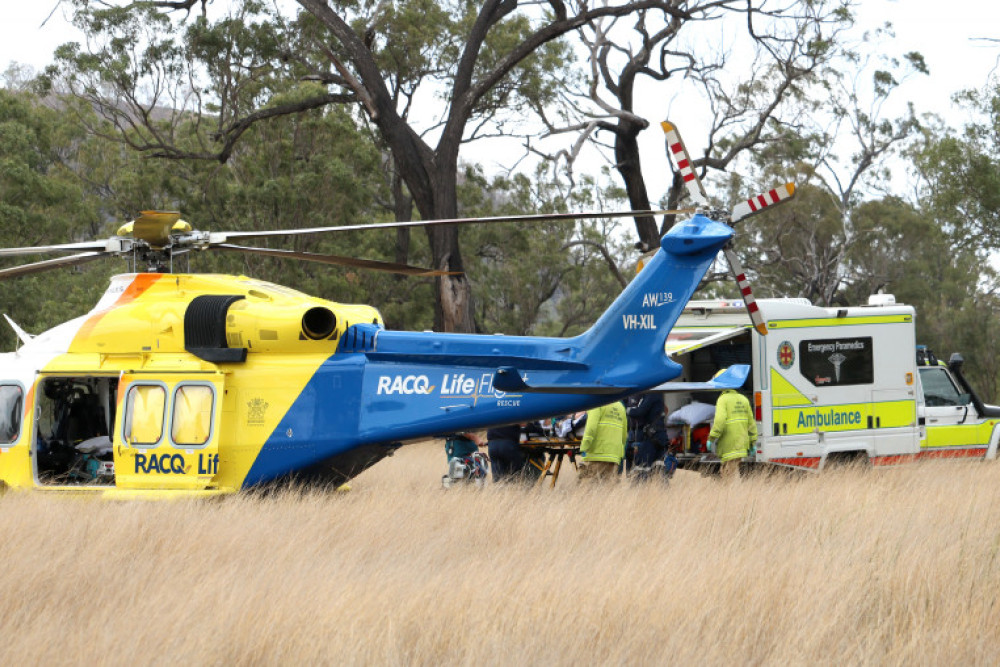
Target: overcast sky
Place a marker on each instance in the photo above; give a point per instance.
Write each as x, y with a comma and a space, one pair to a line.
943, 32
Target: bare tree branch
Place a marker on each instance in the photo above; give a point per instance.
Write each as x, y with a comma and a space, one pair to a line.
605, 253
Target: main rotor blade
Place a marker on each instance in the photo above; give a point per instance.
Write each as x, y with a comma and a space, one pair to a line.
370, 264
675, 147
48, 264
759, 202
222, 237
59, 247
745, 291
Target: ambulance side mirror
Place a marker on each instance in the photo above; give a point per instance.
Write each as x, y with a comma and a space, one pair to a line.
956, 361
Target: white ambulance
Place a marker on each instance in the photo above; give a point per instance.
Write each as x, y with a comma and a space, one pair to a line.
830, 385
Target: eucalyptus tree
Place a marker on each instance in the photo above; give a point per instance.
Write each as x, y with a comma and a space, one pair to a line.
840, 152
41, 201
746, 80
959, 171
554, 278
476, 66
959, 192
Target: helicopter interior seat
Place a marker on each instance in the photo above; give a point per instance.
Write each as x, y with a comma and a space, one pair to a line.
83, 420
78, 417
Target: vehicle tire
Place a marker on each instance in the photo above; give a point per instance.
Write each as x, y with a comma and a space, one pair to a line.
842, 460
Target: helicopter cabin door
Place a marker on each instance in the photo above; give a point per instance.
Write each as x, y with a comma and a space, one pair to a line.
168, 433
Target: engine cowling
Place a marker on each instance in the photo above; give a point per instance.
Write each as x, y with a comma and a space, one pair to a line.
222, 328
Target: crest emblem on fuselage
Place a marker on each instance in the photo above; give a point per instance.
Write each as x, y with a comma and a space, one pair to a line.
256, 409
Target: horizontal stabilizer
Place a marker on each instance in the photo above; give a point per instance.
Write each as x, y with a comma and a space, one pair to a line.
509, 379
733, 378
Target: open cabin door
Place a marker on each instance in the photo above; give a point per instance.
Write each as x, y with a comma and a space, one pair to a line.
168, 430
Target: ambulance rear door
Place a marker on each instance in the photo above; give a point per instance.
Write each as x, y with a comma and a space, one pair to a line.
788, 429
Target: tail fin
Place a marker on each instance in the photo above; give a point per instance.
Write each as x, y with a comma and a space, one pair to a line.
625, 347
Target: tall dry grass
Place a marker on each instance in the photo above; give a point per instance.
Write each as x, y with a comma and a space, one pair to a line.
895, 567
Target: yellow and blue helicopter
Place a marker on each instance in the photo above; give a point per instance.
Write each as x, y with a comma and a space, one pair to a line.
179, 384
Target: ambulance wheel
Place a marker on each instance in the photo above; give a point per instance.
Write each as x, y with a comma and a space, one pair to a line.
841, 460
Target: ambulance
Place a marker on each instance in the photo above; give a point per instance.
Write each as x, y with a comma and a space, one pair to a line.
829, 385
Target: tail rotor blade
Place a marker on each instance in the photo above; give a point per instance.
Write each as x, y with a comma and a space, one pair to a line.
745, 291
675, 147
758, 203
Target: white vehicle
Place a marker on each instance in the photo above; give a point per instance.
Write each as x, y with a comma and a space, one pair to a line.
832, 384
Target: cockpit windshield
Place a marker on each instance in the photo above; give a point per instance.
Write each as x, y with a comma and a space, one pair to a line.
11, 407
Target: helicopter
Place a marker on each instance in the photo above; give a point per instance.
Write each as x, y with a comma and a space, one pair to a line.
180, 384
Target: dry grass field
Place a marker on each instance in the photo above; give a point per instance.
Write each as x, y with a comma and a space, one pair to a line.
891, 567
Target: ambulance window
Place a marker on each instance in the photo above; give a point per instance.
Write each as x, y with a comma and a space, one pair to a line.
144, 414
939, 389
191, 424
11, 404
832, 362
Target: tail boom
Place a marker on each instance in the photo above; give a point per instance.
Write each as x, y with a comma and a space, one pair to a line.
387, 386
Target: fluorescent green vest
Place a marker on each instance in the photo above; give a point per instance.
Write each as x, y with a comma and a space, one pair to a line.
605, 434
734, 428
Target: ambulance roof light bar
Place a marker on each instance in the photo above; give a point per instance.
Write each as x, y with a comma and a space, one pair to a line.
882, 300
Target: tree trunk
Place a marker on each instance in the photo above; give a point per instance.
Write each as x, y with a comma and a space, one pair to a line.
629, 166
432, 178
402, 205
453, 308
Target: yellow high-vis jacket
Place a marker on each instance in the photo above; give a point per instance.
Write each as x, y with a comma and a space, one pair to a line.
734, 428
605, 434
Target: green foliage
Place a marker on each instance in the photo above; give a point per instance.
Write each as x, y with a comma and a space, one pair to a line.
181, 84
318, 169
805, 248
795, 249
42, 202
961, 173
917, 62
310, 170
536, 277
900, 250
960, 199
419, 43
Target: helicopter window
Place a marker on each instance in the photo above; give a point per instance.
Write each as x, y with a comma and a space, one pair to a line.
144, 414
11, 402
191, 424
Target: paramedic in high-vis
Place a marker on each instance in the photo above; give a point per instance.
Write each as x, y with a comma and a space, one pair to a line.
734, 431
603, 443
